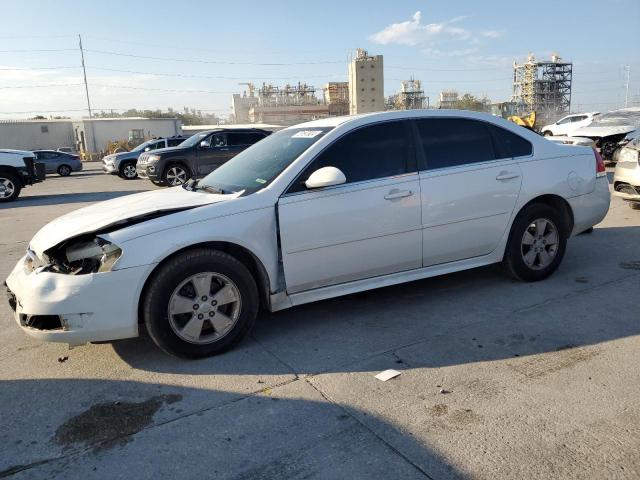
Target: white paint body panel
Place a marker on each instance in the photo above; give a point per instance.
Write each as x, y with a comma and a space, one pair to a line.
335, 241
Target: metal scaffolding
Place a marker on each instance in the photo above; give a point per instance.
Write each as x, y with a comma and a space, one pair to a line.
543, 87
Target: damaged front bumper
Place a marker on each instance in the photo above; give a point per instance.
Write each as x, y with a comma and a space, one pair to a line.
76, 309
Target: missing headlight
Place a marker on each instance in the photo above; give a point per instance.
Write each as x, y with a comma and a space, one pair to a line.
82, 256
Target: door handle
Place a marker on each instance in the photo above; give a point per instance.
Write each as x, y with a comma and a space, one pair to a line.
393, 194
507, 176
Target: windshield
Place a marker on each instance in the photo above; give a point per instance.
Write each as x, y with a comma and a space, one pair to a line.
619, 117
193, 140
260, 164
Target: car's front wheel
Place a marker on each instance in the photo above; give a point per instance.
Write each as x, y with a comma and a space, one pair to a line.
536, 244
128, 171
547, 133
175, 175
200, 303
9, 187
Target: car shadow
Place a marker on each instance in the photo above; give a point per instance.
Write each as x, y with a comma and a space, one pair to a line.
129, 429
63, 198
478, 315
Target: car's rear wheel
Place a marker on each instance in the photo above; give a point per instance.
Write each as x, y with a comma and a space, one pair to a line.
9, 187
200, 303
64, 170
128, 171
175, 174
547, 133
536, 244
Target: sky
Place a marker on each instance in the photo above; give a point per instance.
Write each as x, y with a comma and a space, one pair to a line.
160, 55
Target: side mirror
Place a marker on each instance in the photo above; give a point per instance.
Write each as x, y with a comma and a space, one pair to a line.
146, 149
325, 177
204, 144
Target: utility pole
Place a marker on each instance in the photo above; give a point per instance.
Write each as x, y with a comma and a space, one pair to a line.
84, 70
626, 95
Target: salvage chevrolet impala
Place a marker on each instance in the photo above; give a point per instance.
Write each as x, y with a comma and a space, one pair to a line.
318, 210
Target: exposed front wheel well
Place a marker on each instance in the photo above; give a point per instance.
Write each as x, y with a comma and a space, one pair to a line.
243, 255
558, 203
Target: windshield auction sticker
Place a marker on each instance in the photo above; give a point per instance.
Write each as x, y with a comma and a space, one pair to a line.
307, 134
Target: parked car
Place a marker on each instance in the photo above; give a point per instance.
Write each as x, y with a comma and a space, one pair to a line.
622, 143
124, 163
564, 140
67, 150
626, 179
18, 168
59, 162
197, 156
566, 125
609, 128
318, 210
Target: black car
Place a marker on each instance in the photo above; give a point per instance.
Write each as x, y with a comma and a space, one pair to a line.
197, 156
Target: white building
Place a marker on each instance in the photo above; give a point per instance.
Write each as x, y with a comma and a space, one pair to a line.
93, 135
366, 83
36, 134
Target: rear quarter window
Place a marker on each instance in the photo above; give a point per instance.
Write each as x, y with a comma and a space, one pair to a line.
509, 144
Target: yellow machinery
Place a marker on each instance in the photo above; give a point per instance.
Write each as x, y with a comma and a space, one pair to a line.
527, 121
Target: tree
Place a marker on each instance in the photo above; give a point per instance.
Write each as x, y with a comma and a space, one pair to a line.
470, 102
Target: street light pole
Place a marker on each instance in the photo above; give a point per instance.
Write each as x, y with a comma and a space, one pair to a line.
84, 70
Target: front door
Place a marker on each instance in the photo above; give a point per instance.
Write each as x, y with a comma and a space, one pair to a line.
368, 226
470, 181
212, 153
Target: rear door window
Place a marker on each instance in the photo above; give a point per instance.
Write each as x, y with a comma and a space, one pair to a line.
451, 142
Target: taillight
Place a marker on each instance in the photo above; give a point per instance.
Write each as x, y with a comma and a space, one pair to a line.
601, 171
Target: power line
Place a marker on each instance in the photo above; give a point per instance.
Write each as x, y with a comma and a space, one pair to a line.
42, 86
18, 69
213, 62
39, 50
215, 77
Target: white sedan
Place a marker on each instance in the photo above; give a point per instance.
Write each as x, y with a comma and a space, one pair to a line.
318, 210
569, 124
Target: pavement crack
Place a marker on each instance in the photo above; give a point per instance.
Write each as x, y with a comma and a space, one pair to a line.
370, 430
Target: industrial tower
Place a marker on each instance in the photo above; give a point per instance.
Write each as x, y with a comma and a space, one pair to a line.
543, 87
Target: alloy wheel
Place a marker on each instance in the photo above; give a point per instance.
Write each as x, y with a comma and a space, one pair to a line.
176, 176
539, 244
129, 171
204, 308
6, 187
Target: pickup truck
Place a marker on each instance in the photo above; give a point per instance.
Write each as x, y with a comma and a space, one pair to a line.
18, 169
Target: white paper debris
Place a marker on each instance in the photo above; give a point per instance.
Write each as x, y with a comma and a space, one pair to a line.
306, 134
388, 375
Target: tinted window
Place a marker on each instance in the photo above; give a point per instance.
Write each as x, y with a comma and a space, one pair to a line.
376, 151
578, 118
565, 120
448, 142
508, 144
243, 138
175, 142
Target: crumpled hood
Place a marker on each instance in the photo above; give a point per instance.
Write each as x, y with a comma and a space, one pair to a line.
118, 210
602, 131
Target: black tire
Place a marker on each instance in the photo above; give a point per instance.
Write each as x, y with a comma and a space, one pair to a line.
514, 262
10, 185
161, 287
547, 133
168, 177
158, 183
634, 205
64, 170
128, 171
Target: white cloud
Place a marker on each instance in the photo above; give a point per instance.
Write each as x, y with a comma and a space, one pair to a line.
491, 34
413, 32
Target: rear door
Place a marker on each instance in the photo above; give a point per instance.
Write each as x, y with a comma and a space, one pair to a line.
469, 182
238, 141
366, 227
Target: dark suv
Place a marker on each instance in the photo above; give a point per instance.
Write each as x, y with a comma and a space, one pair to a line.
197, 156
